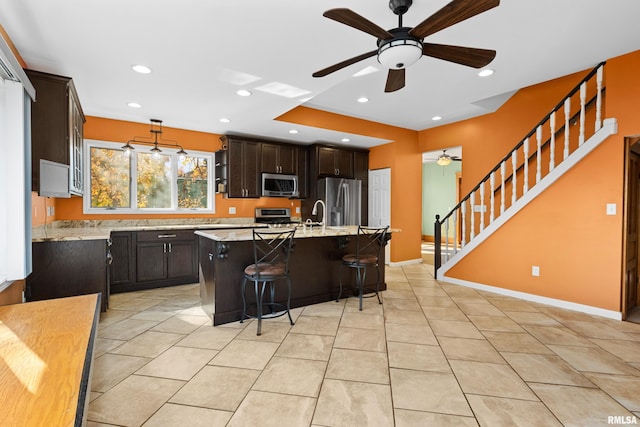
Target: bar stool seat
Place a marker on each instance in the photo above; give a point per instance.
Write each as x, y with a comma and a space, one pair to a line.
370, 242
271, 251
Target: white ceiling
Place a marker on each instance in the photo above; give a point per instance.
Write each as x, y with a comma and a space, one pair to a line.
202, 51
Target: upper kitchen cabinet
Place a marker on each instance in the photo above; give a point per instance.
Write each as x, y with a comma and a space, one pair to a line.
57, 124
243, 167
278, 158
332, 161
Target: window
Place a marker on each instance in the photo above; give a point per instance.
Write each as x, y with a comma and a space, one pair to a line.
146, 182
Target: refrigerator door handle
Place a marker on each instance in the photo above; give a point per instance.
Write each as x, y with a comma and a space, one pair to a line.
347, 208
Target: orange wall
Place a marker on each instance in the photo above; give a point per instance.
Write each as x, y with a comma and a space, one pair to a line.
404, 159
39, 207
485, 140
122, 131
565, 230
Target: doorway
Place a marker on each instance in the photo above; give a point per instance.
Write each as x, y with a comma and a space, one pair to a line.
631, 285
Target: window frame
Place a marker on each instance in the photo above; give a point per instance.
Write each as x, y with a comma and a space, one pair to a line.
133, 186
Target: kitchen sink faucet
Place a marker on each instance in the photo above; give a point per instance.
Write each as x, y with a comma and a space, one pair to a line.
314, 211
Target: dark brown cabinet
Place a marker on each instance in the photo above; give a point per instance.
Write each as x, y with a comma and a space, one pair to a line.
152, 259
57, 124
333, 161
361, 172
302, 170
123, 268
166, 255
243, 168
69, 268
279, 159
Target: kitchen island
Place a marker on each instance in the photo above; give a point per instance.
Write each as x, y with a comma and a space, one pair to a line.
314, 265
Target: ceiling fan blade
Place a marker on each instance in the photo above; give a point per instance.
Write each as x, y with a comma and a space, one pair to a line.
352, 19
451, 14
395, 80
343, 64
469, 56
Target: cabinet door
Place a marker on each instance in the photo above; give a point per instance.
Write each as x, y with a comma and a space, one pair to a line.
235, 171
326, 162
75, 145
361, 166
182, 260
344, 163
270, 158
287, 159
122, 270
151, 261
252, 168
302, 170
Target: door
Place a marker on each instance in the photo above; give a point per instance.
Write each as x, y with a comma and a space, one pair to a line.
630, 286
380, 202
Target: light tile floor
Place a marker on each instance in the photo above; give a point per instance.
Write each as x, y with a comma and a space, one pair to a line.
431, 354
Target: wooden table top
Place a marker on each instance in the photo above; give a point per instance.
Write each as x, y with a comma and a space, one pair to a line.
46, 348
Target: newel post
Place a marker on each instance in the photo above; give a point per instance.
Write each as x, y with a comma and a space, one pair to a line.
437, 237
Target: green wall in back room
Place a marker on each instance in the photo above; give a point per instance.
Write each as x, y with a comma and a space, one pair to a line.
438, 192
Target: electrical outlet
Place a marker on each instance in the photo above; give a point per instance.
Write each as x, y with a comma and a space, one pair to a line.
298, 210
51, 210
611, 208
232, 210
535, 270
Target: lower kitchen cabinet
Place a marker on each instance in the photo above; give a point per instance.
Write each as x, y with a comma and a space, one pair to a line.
151, 259
69, 268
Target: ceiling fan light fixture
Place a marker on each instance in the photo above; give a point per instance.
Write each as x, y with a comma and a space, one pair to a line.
444, 160
399, 53
486, 72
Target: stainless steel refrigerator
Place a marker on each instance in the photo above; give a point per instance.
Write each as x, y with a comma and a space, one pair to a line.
342, 197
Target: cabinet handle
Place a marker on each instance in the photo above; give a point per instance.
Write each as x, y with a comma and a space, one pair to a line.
164, 248
210, 256
169, 247
166, 236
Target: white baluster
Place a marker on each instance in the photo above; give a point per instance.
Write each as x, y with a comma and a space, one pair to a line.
492, 185
567, 117
472, 201
482, 206
539, 154
455, 232
503, 168
583, 101
463, 208
525, 149
552, 147
514, 167
599, 98
446, 239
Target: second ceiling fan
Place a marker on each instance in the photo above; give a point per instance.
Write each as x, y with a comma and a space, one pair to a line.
402, 46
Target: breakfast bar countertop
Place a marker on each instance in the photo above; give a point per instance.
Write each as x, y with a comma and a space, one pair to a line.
242, 235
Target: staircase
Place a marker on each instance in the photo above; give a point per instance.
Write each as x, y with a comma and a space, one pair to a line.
557, 143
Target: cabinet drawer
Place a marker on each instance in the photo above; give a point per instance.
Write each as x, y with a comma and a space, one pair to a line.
165, 235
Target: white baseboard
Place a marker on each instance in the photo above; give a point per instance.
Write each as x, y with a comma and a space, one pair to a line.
407, 262
610, 314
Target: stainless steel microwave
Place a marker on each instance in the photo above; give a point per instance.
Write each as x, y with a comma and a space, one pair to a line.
279, 185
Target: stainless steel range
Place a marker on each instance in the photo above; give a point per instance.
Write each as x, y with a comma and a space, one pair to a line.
273, 216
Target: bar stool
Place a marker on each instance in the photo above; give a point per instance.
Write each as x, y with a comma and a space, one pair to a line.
370, 242
271, 251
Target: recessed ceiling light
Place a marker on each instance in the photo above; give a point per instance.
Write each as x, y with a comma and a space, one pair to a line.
243, 92
293, 131
345, 140
142, 69
224, 120
363, 99
436, 118
486, 72
134, 105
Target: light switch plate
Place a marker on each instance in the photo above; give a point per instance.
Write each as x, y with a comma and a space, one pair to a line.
611, 208
232, 210
535, 270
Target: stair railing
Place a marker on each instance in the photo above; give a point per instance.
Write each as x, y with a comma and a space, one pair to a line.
523, 167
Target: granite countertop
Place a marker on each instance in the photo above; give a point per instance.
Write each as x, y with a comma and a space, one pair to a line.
101, 230
301, 233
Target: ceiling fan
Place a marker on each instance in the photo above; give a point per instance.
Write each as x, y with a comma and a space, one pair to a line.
402, 46
444, 159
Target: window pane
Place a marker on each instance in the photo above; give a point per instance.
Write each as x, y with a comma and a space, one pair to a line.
154, 180
192, 182
110, 178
